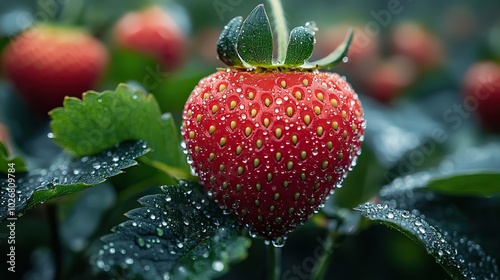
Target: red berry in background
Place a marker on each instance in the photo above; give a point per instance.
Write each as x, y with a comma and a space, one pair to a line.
154, 32
47, 63
387, 79
482, 93
269, 140
424, 48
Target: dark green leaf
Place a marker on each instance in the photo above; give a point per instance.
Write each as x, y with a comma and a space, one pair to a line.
181, 234
100, 120
5, 159
470, 171
300, 46
226, 46
461, 258
67, 175
333, 58
482, 184
255, 41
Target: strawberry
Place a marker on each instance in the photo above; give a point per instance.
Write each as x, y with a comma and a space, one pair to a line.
387, 79
152, 31
482, 93
46, 63
270, 141
412, 40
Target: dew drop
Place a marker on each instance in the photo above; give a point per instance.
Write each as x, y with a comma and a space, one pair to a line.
217, 266
279, 242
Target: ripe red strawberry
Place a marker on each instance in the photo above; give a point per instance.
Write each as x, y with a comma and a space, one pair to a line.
271, 141
387, 79
420, 45
46, 63
152, 31
482, 93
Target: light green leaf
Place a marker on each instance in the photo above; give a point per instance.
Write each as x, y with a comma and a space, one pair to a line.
100, 120
180, 234
65, 176
255, 41
5, 159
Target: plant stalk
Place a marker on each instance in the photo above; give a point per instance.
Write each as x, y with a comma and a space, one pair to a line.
281, 29
55, 239
321, 267
274, 268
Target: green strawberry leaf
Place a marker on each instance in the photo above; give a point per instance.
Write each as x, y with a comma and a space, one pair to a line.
255, 41
100, 120
65, 176
480, 184
5, 160
180, 234
461, 258
458, 174
300, 46
334, 57
226, 46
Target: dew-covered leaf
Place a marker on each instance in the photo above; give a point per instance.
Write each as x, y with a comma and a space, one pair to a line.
255, 41
100, 120
459, 256
300, 46
5, 160
65, 176
226, 46
460, 197
180, 234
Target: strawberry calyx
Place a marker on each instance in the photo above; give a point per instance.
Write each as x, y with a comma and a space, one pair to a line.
248, 45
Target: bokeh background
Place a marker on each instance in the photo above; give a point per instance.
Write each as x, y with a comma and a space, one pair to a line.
408, 63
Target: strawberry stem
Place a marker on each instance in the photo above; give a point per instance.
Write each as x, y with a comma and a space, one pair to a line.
321, 267
274, 268
281, 29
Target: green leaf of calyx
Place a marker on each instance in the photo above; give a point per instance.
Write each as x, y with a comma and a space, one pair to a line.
180, 234
333, 58
300, 46
5, 160
226, 46
100, 120
65, 176
255, 41
461, 258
